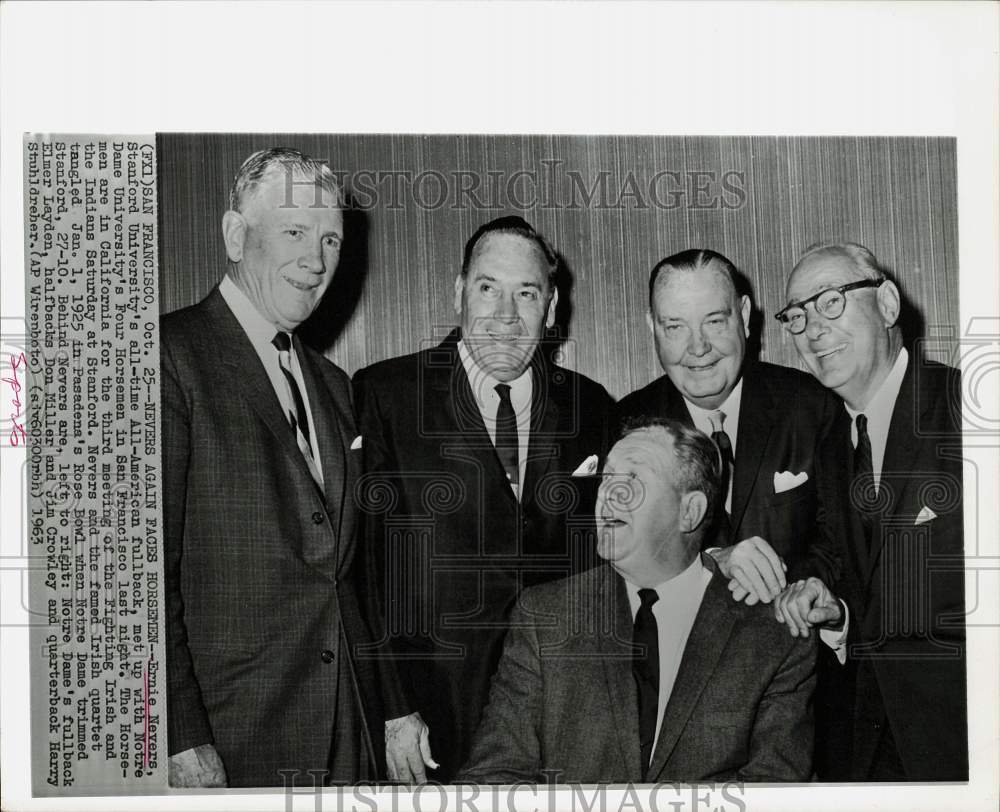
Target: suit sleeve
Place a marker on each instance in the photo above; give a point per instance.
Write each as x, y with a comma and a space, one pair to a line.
781, 742
379, 467
506, 748
188, 724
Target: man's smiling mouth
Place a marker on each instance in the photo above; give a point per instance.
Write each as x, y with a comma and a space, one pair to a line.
821, 354
701, 367
301, 285
503, 337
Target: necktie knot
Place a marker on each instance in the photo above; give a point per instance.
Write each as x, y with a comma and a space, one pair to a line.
648, 597
717, 419
503, 390
862, 424
282, 341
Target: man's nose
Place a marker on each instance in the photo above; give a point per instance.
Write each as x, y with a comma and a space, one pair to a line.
698, 345
312, 257
816, 325
506, 309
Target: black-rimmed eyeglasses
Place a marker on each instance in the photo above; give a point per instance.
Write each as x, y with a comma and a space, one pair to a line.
829, 303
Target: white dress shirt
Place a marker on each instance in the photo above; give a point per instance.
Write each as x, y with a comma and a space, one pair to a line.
261, 332
879, 413
484, 391
675, 611
731, 409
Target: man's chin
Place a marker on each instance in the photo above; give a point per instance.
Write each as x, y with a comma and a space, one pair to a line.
606, 545
502, 363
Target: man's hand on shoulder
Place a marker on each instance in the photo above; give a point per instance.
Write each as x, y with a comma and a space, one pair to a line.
808, 603
197, 767
408, 749
755, 570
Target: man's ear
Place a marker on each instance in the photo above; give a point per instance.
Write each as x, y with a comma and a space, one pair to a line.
234, 233
459, 288
745, 314
694, 507
551, 318
888, 302
649, 323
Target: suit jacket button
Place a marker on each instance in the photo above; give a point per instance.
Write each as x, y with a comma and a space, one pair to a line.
317, 518
326, 655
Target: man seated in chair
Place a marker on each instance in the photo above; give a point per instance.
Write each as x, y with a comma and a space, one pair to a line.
644, 669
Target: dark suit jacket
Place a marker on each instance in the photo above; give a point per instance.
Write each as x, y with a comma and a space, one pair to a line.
784, 417
261, 609
450, 544
906, 596
564, 697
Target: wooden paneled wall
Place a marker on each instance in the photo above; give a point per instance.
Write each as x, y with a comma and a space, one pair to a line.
612, 207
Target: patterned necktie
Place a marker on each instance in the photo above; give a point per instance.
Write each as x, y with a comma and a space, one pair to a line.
299, 419
864, 490
506, 437
722, 442
646, 670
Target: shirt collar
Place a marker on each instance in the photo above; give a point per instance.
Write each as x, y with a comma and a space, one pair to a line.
884, 399
484, 385
730, 407
258, 329
679, 590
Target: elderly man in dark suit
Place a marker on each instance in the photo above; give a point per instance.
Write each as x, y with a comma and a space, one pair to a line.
900, 711
469, 449
644, 669
768, 421
262, 613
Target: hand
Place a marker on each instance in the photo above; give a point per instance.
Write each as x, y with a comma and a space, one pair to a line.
756, 571
806, 604
197, 767
408, 749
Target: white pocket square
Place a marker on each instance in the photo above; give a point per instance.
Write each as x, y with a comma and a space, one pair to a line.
925, 515
587, 467
356, 444
786, 480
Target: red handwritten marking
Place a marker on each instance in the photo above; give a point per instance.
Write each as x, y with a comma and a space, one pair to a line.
17, 434
145, 725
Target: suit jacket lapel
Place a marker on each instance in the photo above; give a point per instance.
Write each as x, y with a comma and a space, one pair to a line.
900, 454
451, 385
544, 420
622, 697
711, 630
842, 460
246, 372
753, 431
329, 422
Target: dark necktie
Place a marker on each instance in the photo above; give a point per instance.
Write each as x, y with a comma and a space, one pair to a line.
864, 477
646, 669
506, 440
299, 419
722, 442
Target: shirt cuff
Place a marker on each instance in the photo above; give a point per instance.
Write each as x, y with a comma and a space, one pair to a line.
836, 639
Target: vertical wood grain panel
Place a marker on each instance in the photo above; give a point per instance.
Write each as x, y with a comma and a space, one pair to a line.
393, 290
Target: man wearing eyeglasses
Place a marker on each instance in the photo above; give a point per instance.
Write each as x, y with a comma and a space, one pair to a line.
900, 597
767, 421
